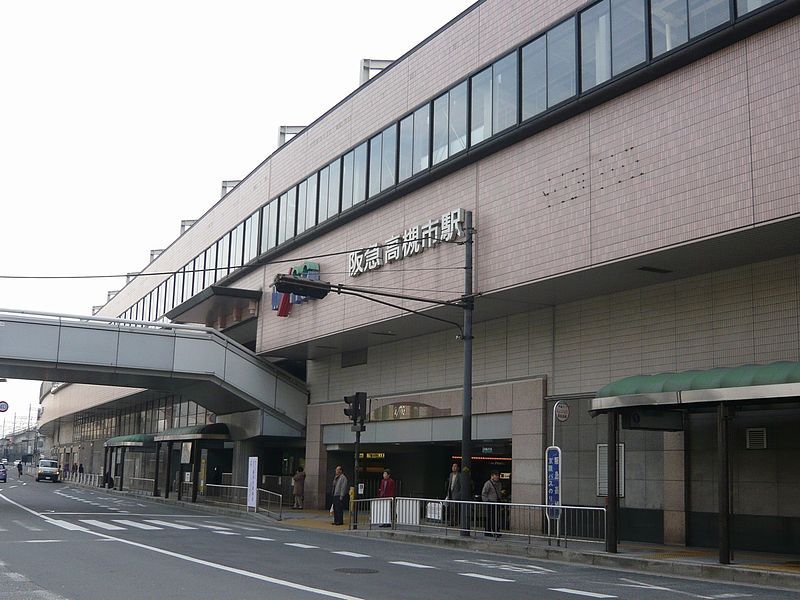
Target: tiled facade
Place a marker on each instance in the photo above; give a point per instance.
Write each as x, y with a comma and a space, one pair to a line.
704, 152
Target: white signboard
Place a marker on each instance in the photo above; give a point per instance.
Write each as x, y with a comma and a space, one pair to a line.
412, 241
252, 483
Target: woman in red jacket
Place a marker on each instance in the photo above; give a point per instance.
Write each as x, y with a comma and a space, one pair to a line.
386, 489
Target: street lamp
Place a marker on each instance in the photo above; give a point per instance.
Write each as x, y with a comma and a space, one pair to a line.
288, 284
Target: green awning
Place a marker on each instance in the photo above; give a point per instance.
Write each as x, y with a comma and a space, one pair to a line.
138, 440
722, 377
211, 431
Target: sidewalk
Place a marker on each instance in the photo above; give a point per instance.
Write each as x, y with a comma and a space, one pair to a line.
754, 568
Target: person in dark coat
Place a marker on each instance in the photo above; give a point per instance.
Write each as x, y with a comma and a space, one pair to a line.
340, 492
298, 487
452, 491
387, 489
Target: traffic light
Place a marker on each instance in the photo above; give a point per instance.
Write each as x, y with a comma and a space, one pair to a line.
351, 410
287, 284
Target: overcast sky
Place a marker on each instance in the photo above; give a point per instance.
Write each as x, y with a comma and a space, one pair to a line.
117, 120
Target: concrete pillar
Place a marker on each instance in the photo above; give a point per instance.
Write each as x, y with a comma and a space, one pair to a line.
242, 451
527, 440
316, 465
674, 488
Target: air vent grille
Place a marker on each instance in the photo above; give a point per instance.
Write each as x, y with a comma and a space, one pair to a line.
757, 438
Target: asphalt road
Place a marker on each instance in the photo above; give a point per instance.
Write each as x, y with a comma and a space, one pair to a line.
63, 542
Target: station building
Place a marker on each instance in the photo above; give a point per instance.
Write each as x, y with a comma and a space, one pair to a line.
631, 169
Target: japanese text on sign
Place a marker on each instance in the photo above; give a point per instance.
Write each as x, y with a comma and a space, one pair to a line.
413, 241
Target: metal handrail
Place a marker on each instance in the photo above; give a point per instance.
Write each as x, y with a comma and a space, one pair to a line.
236, 495
522, 522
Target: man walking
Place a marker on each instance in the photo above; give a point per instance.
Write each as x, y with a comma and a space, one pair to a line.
298, 488
452, 491
19, 470
339, 496
491, 493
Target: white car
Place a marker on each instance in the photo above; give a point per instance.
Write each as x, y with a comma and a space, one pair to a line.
47, 469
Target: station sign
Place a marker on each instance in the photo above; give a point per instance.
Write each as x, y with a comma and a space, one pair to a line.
3, 406
553, 465
562, 411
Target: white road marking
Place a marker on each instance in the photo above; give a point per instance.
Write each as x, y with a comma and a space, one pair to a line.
226, 532
278, 528
515, 568
260, 539
403, 563
135, 524
102, 525
28, 527
167, 524
199, 561
353, 554
64, 524
15, 576
214, 527
244, 527
489, 577
42, 541
581, 593
296, 545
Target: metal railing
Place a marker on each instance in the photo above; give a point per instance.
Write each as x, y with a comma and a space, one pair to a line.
519, 522
140, 485
88, 479
236, 496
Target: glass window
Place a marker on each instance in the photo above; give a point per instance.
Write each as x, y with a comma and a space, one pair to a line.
334, 172
282, 217
441, 110
670, 24
198, 267
360, 174
237, 246
707, 14
561, 63
481, 122
302, 190
290, 220
628, 40
458, 118
388, 157
745, 6
178, 289
375, 165
534, 78
504, 93
421, 159
406, 147
595, 45
251, 227
211, 265
323, 194
311, 201
347, 180
223, 251
170, 298
266, 241
188, 281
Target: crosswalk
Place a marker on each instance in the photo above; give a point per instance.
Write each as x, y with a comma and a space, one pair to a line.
114, 522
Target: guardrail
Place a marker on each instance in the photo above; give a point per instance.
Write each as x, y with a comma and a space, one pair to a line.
521, 522
236, 495
88, 479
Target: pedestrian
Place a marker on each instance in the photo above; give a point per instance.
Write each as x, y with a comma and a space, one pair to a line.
387, 489
80, 469
298, 488
452, 491
19, 470
74, 469
491, 493
339, 496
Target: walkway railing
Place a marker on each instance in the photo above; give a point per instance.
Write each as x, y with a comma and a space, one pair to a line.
88, 479
520, 522
236, 495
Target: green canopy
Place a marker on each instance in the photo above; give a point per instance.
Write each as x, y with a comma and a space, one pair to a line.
211, 431
137, 440
721, 377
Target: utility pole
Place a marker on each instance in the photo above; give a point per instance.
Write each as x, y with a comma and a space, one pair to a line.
356, 409
468, 303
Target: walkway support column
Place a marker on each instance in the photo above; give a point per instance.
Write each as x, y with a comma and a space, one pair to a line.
195, 468
612, 510
155, 477
168, 473
123, 450
723, 416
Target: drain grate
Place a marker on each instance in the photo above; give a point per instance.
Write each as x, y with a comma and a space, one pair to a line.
356, 571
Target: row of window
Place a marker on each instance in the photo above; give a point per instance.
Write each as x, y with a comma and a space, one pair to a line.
600, 42
151, 417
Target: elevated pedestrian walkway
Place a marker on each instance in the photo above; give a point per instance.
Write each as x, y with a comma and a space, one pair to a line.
198, 362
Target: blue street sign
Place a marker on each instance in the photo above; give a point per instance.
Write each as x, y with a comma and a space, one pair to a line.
553, 458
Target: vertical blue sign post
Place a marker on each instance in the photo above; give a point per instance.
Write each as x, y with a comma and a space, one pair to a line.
553, 457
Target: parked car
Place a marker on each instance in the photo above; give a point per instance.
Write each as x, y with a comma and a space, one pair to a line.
3, 473
47, 469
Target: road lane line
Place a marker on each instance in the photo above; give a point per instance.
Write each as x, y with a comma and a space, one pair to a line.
297, 545
488, 577
28, 527
41, 541
63, 524
199, 561
581, 593
260, 539
102, 525
353, 554
403, 563
167, 524
135, 524
204, 526
226, 532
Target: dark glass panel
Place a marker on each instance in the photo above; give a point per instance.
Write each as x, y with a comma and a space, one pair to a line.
481, 121
504, 93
